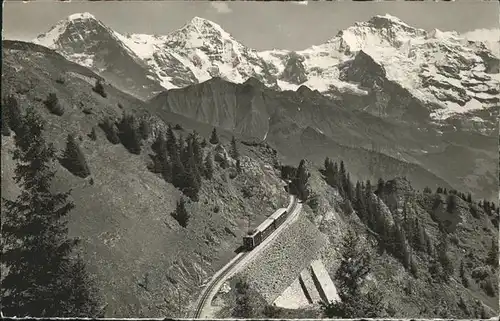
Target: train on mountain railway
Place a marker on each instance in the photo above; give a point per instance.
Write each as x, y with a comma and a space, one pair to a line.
258, 235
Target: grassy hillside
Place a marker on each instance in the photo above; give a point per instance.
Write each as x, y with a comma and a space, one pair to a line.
142, 258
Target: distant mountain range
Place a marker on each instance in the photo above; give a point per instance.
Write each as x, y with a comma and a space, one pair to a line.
382, 66
381, 94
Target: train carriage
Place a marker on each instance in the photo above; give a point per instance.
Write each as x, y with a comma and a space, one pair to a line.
249, 241
265, 229
279, 217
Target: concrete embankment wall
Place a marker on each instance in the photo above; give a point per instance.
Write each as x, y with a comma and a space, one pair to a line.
323, 282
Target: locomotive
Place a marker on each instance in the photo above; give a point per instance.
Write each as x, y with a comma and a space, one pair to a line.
258, 235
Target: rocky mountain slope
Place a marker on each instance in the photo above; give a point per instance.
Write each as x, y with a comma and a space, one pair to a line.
148, 265
466, 232
142, 259
382, 65
85, 40
304, 123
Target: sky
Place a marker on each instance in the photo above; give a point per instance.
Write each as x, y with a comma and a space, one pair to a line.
259, 25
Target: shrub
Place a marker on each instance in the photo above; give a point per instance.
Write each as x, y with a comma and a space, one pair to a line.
110, 130
99, 88
474, 210
129, 134
73, 158
178, 127
53, 105
488, 287
87, 110
180, 214
60, 80
93, 134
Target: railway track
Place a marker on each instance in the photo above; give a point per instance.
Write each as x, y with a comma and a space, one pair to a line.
214, 284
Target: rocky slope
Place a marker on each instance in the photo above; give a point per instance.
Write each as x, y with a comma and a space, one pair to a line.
468, 229
142, 259
382, 65
304, 123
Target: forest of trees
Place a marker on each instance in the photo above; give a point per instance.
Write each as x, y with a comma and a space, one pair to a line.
355, 264
403, 239
181, 162
299, 178
44, 277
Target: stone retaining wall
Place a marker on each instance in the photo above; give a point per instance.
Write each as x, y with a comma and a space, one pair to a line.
281, 263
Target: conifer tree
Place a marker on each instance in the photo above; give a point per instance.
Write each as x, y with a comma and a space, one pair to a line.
463, 275
492, 258
451, 203
214, 139
192, 176
349, 189
144, 129
350, 277
99, 88
183, 151
380, 186
178, 170
444, 258
327, 164
93, 134
209, 166
129, 134
181, 214
12, 113
73, 158
342, 171
234, 153
53, 105
359, 203
110, 130
171, 141
301, 181
198, 152
238, 165
243, 307
161, 163
43, 280
5, 124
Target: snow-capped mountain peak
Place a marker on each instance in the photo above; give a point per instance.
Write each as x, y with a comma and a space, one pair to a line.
83, 15
70, 25
443, 71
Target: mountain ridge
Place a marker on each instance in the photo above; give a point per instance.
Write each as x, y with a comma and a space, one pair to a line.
201, 50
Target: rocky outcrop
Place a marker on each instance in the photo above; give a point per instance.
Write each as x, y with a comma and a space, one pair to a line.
294, 72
